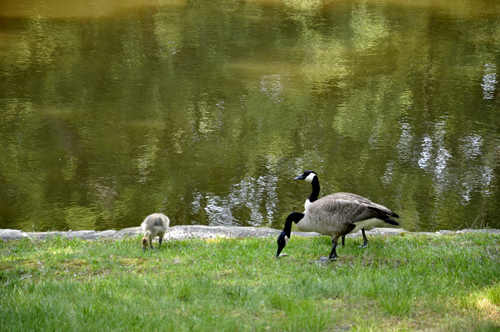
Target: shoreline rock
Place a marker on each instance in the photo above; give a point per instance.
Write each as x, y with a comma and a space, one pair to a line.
198, 231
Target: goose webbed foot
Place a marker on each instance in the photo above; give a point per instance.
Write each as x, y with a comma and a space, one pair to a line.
327, 259
323, 260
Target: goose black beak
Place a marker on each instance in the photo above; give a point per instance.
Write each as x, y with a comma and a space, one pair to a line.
300, 177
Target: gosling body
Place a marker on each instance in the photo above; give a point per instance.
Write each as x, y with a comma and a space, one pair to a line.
154, 225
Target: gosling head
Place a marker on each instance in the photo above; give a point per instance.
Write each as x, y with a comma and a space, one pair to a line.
307, 175
145, 243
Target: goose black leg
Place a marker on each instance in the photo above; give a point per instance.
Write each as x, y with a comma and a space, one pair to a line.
343, 240
150, 244
333, 254
365, 240
160, 244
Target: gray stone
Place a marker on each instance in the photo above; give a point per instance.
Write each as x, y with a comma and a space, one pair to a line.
11, 234
43, 235
199, 231
490, 231
133, 231
106, 234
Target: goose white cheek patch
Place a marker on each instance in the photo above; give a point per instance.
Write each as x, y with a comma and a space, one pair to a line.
310, 177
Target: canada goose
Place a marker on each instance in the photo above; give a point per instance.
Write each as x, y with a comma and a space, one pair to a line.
335, 215
312, 177
154, 225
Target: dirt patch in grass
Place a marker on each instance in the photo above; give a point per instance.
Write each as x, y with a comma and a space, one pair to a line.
488, 309
133, 262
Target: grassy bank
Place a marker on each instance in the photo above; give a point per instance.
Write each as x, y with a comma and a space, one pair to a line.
403, 283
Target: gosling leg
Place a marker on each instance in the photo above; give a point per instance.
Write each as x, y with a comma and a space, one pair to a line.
151, 244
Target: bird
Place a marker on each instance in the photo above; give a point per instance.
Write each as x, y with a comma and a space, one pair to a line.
154, 225
312, 177
335, 215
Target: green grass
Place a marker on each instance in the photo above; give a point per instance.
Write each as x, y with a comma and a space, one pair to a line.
403, 283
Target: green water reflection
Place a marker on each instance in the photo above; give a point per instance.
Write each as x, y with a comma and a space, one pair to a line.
206, 110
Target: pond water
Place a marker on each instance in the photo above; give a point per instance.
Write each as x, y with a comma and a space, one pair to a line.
207, 110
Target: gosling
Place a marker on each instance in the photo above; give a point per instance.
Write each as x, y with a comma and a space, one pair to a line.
154, 225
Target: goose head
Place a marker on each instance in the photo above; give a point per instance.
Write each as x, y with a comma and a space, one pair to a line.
284, 237
307, 175
311, 177
282, 241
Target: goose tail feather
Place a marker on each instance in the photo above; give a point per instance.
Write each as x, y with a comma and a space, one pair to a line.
391, 221
385, 215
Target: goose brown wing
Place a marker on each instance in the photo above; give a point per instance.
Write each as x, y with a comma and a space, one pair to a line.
349, 207
350, 197
344, 209
378, 211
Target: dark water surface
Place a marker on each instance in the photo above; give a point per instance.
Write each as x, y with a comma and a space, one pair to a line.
207, 110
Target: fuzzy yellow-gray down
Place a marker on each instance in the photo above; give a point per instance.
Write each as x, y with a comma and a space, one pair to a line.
154, 225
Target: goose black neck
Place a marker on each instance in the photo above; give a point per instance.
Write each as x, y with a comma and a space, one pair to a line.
288, 227
315, 190
292, 217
